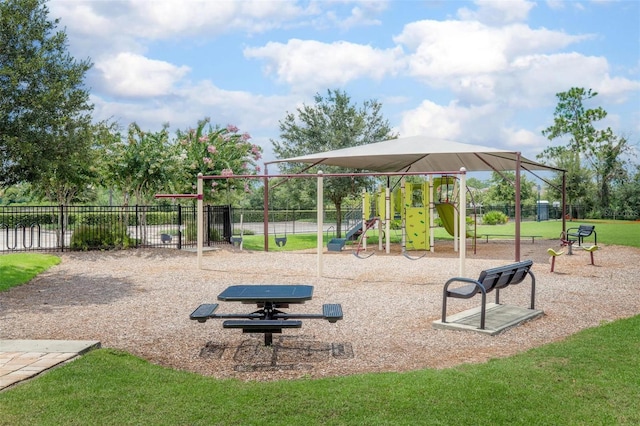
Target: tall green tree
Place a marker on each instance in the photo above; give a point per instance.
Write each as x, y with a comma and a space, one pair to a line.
579, 183
73, 173
503, 190
332, 122
42, 93
601, 150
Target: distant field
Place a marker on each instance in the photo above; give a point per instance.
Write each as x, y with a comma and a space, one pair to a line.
616, 232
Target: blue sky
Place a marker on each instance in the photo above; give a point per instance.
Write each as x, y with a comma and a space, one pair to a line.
480, 72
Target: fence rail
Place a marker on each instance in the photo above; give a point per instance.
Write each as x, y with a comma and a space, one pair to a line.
60, 228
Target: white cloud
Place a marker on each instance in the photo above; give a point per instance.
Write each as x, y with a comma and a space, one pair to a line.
365, 14
524, 139
309, 64
497, 12
486, 125
538, 78
167, 19
446, 49
447, 122
131, 75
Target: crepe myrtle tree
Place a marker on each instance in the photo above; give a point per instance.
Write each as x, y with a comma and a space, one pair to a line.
216, 150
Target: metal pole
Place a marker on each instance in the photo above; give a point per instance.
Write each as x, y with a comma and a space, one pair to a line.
320, 214
387, 201
518, 207
265, 216
463, 219
539, 206
200, 219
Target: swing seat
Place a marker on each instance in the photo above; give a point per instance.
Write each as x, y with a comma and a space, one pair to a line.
281, 241
336, 244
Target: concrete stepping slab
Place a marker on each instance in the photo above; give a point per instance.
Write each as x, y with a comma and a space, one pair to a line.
23, 359
498, 318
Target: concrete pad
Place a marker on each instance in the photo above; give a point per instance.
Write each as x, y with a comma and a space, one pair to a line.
76, 346
23, 359
497, 319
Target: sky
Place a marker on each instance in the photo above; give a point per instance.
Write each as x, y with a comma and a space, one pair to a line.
480, 72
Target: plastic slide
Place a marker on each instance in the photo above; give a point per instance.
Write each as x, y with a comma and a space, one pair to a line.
447, 216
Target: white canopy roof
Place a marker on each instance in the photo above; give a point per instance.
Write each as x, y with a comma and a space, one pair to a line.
420, 154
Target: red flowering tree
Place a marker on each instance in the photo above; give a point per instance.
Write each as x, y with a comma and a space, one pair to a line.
215, 150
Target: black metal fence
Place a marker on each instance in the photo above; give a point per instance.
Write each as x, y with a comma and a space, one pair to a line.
60, 228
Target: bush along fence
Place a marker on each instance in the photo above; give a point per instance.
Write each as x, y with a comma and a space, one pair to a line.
60, 228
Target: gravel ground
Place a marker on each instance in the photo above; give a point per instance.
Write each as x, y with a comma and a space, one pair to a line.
139, 302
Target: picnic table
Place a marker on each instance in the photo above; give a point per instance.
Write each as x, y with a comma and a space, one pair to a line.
268, 318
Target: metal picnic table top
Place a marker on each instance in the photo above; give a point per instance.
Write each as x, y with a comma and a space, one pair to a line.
267, 293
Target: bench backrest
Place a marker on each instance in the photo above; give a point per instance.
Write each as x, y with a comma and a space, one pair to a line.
585, 230
503, 276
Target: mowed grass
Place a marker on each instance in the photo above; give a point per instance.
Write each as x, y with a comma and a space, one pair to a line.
18, 268
590, 378
611, 232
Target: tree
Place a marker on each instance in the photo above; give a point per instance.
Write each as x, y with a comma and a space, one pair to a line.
216, 150
626, 195
41, 87
579, 182
333, 122
503, 190
603, 151
76, 164
143, 165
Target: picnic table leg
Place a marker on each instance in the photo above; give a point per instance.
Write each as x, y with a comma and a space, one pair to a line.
268, 339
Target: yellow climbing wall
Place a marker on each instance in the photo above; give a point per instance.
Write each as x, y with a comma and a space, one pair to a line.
416, 208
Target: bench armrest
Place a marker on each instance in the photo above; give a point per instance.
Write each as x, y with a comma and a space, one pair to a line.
464, 292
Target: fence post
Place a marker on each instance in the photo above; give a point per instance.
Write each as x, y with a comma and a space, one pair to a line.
179, 227
62, 228
138, 225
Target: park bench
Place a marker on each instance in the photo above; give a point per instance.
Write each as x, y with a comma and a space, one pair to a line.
581, 232
493, 279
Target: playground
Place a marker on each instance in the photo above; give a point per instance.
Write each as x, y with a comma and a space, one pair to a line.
140, 302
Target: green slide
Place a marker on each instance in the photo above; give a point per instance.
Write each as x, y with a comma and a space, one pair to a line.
446, 214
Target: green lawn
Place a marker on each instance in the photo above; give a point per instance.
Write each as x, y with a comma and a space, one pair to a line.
590, 378
625, 233
18, 268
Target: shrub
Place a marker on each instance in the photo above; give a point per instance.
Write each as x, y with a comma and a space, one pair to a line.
88, 237
494, 217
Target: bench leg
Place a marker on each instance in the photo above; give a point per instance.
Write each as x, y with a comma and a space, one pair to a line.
483, 310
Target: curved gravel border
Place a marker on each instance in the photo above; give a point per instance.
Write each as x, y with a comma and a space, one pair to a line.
139, 301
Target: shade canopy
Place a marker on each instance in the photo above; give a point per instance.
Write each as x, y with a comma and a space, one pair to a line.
420, 154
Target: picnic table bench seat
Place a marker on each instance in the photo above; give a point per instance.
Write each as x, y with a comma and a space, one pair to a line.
582, 232
204, 312
261, 326
493, 279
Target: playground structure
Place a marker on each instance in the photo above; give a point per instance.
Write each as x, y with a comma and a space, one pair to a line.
320, 207
415, 205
